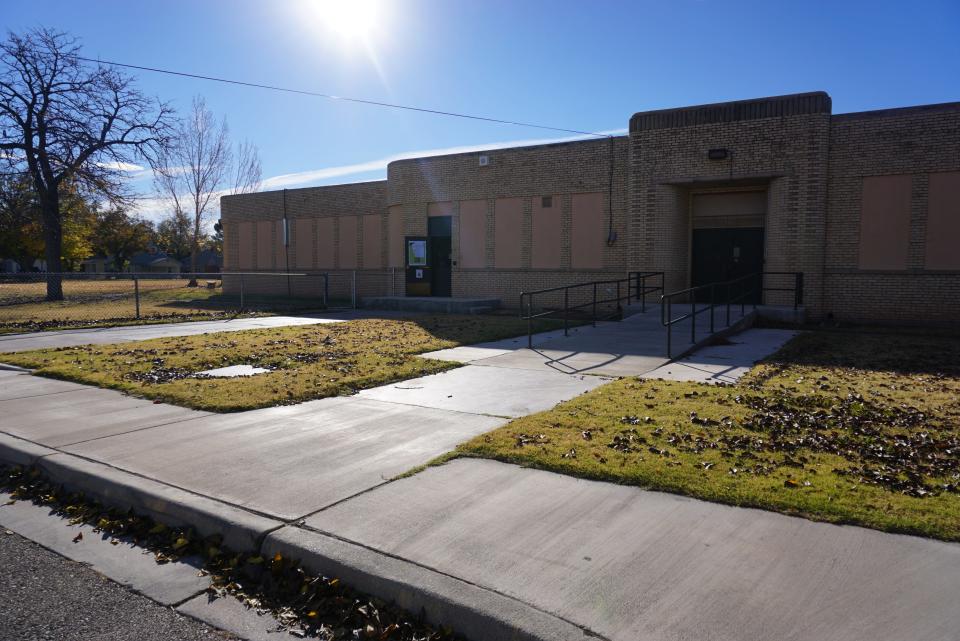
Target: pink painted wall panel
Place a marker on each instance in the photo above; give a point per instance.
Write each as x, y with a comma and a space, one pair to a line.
589, 232
507, 232
395, 237
325, 243
440, 209
546, 234
303, 242
885, 222
245, 246
372, 241
265, 243
943, 221
473, 234
348, 242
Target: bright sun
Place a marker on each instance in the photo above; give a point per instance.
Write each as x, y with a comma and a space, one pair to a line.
348, 19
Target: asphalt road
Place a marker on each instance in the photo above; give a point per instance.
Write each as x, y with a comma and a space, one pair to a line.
45, 597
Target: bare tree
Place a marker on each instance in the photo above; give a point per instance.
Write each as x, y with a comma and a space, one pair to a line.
63, 120
199, 166
248, 175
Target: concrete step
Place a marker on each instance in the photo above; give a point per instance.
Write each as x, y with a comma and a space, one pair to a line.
432, 304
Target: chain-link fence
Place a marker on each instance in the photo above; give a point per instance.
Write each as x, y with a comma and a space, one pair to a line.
348, 288
98, 300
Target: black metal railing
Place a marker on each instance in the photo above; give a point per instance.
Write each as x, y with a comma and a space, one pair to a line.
727, 294
593, 298
643, 288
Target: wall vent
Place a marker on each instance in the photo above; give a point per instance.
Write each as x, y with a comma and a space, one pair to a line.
484, 160
546, 201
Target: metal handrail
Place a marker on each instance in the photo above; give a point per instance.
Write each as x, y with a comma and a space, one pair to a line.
744, 291
643, 289
634, 282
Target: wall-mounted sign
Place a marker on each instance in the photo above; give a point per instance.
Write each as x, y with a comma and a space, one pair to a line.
417, 253
419, 274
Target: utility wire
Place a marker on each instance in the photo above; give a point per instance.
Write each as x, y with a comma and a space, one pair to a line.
317, 94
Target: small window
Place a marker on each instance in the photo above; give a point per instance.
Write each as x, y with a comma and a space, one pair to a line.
546, 201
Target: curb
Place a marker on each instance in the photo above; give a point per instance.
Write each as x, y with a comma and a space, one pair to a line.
14, 368
476, 613
241, 530
473, 612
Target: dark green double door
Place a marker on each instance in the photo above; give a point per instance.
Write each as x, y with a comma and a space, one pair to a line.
726, 254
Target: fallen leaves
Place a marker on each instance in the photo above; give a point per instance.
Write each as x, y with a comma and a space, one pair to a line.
303, 604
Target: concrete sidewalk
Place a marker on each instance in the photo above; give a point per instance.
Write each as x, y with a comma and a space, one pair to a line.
627, 564
108, 335
497, 551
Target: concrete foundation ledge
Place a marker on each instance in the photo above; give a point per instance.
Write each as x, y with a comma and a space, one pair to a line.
241, 530
474, 612
431, 305
743, 323
782, 314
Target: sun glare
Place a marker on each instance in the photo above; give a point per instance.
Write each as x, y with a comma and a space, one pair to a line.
350, 20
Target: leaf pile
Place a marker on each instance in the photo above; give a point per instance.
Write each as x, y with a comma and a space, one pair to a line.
896, 448
303, 604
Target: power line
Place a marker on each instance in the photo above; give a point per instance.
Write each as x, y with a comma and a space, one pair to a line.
362, 101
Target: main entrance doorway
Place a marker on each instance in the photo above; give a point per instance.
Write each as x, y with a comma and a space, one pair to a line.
727, 238
439, 234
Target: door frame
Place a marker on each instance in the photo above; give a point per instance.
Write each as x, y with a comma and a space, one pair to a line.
722, 189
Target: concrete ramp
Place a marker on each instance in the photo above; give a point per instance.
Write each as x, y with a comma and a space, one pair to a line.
631, 347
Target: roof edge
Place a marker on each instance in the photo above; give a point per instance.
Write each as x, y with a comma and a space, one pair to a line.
814, 102
493, 150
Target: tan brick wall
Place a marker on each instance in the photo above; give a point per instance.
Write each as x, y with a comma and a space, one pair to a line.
527, 174
780, 144
915, 141
810, 164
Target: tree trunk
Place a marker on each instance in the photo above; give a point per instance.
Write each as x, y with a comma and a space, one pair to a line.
194, 248
53, 245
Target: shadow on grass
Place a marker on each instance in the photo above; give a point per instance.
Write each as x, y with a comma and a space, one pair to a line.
875, 349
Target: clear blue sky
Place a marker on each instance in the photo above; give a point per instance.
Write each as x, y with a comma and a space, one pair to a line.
581, 65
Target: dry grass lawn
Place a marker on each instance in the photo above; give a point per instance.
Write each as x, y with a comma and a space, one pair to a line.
845, 427
109, 303
306, 362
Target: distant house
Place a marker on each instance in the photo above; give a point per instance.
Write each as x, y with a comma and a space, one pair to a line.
153, 263
97, 265
149, 262
208, 262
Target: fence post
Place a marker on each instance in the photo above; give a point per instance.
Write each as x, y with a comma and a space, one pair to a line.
241, 292
619, 306
353, 289
566, 311
798, 291
594, 304
743, 299
326, 290
642, 289
693, 316
136, 294
713, 291
669, 324
726, 289
529, 319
